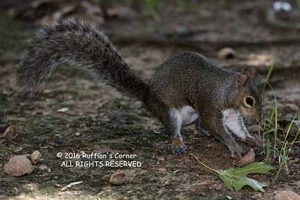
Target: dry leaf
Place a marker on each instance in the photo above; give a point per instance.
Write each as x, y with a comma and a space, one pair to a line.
247, 159
10, 133
120, 177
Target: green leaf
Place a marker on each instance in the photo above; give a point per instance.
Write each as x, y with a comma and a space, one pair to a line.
237, 183
257, 168
236, 178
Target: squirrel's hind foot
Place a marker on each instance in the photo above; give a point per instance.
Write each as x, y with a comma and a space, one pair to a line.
178, 147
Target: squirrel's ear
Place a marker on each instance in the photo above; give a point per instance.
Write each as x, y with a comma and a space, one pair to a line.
241, 79
250, 71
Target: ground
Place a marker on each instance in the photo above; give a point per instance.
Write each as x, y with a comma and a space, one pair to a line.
75, 113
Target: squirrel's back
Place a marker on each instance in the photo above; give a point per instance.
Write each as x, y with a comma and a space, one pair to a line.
77, 43
190, 74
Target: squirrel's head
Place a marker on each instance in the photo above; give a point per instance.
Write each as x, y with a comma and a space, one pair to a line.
248, 98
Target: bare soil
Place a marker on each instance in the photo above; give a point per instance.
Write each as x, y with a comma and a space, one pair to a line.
100, 119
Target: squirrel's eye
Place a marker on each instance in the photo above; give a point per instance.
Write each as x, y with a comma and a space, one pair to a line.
249, 101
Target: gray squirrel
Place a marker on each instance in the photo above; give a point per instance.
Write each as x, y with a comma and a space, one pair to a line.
186, 89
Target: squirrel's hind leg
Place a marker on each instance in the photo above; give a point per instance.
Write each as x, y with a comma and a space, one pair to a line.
175, 124
200, 129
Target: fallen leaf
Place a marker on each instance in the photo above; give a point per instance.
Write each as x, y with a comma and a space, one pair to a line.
120, 177
247, 159
236, 178
10, 133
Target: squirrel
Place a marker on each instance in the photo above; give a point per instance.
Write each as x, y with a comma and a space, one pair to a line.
186, 89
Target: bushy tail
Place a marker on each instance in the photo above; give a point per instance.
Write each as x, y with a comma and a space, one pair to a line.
77, 43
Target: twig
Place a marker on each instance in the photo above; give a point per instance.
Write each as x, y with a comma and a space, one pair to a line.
70, 185
204, 165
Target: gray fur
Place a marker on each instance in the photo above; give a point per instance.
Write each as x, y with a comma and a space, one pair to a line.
77, 43
187, 79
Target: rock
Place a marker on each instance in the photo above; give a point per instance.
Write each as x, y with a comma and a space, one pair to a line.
162, 169
18, 166
226, 53
77, 134
35, 156
286, 195
44, 168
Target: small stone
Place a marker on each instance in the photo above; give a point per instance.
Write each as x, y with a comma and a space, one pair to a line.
226, 53
77, 134
44, 168
161, 158
18, 166
287, 195
162, 169
35, 157
258, 196
47, 91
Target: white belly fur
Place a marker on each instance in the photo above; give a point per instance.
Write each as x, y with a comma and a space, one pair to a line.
234, 122
188, 115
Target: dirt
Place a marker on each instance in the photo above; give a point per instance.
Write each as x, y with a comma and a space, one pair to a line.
76, 113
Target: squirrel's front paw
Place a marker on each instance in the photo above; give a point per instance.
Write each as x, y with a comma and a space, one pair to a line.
178, 147
253, 142
236, 150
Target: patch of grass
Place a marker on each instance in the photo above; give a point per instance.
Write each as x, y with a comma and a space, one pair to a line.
286, 148
277, 147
